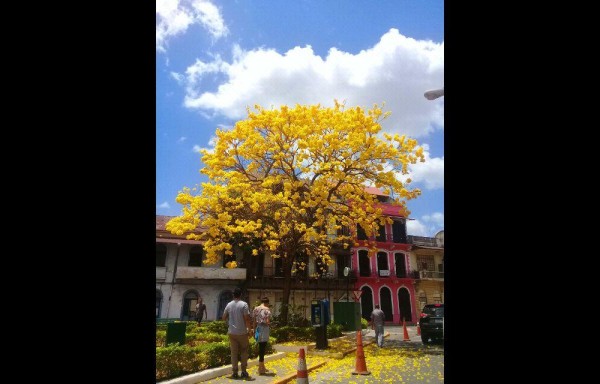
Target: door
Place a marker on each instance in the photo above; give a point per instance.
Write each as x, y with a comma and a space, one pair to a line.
189, 306
224, 298
385, 302
366, 302
404, 305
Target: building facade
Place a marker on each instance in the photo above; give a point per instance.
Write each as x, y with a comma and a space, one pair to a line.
405, 274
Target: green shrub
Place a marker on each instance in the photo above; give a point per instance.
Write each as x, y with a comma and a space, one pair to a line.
161, 337
288, 333
334, 330
211, 349
217, 326
191, 326
295, 317
363, 323
161, 327
212, 337
212, 355
254, 347
175, 360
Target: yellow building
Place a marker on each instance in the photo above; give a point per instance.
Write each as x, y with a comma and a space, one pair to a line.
427, 256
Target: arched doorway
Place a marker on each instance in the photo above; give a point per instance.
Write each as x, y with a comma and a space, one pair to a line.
404, 305
385, 303
159, 297
224, 298
188, 310
366, 302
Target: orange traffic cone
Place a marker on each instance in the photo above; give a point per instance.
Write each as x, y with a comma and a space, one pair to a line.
418, 329
361, 364
302, 375
406, 338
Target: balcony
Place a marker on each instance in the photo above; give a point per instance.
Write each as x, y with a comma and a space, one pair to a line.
431, 275
326, 282
424, 241
161, 273
208, 273
384, 272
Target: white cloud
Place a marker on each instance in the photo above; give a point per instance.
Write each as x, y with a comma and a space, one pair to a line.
436, 218
178, 77
416, 228
174, 17
428, 226
397, 70
210, 149
164, 205
213, 141
430, 173
182, 139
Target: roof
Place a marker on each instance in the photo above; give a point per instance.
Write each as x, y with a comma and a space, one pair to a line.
375, 191
161, 222
161, 232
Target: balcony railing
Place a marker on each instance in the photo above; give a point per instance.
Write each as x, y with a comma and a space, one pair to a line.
388, 238
431, 275
328, 282
208, 273
425, 241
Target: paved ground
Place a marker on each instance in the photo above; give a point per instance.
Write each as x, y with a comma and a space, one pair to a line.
336, 366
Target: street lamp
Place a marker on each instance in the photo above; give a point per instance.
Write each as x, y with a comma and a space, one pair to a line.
347, 275
434, 94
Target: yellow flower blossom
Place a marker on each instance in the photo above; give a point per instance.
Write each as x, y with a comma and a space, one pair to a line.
285, 182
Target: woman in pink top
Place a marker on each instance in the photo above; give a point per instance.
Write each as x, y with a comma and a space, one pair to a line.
261, 319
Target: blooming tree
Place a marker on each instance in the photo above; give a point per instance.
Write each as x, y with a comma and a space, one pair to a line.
284, 180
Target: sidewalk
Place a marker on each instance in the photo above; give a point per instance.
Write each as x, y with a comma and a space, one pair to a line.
284, 364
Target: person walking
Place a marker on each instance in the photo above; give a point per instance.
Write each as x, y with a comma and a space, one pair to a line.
200, 311
239, 329
377, 321
261, 321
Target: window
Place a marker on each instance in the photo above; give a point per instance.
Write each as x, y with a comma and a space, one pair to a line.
278, 264
364, 263
399, 231
196, 254
321, 268
301, 266
382, 264
381, 233
400, 265
258, 264
228, 258
425, 263
161, 255
342, 262
343, 231
360, 233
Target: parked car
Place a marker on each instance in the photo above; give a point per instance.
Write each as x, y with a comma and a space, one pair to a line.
431, 323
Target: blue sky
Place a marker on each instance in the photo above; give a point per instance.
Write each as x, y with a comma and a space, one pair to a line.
215, 58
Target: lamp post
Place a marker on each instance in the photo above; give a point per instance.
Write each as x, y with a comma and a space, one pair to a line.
347, 275
434, 94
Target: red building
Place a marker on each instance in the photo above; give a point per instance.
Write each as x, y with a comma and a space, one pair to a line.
386, 278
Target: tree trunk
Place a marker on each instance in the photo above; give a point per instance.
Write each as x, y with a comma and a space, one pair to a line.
287, 289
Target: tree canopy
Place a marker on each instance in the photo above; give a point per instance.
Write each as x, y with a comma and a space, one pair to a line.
283, 181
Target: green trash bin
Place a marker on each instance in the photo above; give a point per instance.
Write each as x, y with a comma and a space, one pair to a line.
175, 333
